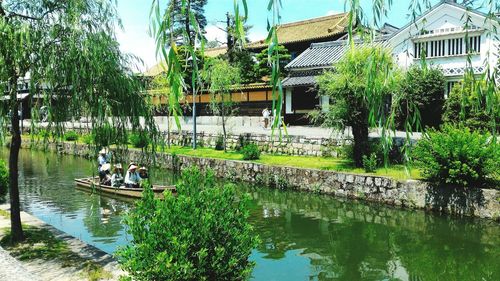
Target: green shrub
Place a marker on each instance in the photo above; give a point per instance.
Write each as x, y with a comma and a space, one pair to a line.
243, 140
44, 134
138, 140
219, 142
70, 136
423, 90
250, 152
105, 135
467, 107
88, 138
4, 178
370, 163
458, 157
202, 234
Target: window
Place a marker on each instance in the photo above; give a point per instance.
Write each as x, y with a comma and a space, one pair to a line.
475, 44
455, 46
447, 47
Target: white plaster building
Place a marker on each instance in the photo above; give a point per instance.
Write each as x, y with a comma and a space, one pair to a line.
440, 35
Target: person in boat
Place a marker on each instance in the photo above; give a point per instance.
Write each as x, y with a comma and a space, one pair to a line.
106, 179
132, 178
102, 159
143, 173
117, 177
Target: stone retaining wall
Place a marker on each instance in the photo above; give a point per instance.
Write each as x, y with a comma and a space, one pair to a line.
484, 203
292, 145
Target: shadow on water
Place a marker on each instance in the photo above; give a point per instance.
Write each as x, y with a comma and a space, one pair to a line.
304, 236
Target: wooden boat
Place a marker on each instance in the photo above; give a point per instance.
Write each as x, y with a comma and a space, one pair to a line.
92, 184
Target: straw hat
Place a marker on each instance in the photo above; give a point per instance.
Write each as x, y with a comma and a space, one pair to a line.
132, 167
103, 151
143, 168
132, 163
105, 167
118, 167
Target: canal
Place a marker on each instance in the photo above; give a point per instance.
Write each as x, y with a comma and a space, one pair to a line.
304, 236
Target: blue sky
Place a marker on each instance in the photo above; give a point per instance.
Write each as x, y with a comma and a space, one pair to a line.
135, 17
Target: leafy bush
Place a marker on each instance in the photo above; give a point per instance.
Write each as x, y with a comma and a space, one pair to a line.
202, 234
370, 163
219, 142
138, 140
423, 90
374, 146
70, 136
105, 135
465, 106
456, 156
4, 178
88, 138
44, 134
250, 152
243, 140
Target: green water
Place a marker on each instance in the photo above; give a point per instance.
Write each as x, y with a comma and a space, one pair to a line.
304, 236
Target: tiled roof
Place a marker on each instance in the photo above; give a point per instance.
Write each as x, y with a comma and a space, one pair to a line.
156, 69
214, 52
319, 55
161, 67
301, 78
307, 30
322, 55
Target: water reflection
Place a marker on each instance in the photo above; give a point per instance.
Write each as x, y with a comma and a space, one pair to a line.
346, 240
304, 236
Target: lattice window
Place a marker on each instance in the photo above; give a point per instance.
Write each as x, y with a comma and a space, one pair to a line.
475, 44
447, 47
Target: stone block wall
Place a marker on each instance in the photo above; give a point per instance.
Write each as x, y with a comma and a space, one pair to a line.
293, 145
484, 203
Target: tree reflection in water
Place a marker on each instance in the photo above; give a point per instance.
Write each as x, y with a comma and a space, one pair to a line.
349, 240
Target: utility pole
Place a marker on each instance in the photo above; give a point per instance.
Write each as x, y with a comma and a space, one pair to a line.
193, 62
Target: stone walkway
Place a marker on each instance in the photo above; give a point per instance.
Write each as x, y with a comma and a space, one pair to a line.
53, 270
12, 269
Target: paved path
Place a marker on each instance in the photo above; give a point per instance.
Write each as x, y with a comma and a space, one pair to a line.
53, 270
12, 269
307, 131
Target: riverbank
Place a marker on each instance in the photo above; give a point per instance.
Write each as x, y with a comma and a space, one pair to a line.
54, 256
411, 194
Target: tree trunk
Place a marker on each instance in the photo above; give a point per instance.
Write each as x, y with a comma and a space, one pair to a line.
360, 147
223, 109
168, 128
15, 210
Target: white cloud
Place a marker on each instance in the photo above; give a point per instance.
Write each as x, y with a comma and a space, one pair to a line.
333, 12
137, 42
256, 35
215, 32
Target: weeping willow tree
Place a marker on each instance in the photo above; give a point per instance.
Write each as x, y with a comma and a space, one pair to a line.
69, 52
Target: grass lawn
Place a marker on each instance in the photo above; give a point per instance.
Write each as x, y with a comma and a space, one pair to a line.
321, 163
